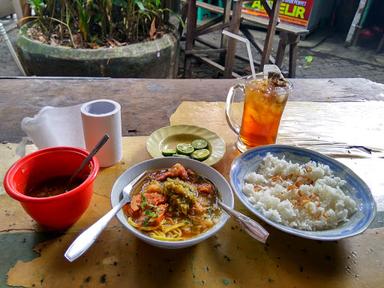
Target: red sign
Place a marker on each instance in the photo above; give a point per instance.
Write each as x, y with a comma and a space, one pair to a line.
291, 11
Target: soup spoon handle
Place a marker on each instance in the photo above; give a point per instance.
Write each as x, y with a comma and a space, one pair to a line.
254, 229
89, 236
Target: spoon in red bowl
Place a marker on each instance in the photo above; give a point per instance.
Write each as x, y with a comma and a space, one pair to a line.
87, 159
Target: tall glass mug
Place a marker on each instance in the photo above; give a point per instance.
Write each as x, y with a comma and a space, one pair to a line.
264, 102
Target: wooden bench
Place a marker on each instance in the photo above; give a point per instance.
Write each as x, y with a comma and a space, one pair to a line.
289, 35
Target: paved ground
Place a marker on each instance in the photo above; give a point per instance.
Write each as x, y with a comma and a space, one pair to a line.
329, 58
8, 66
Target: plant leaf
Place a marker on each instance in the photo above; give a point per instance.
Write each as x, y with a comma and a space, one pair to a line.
120, 3
140, 4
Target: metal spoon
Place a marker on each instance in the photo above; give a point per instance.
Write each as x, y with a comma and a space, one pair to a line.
87, 159
254, 229
89, 236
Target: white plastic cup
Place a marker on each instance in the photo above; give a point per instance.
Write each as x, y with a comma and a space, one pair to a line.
101, 117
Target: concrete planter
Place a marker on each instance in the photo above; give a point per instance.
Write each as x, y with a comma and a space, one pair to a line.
150, 59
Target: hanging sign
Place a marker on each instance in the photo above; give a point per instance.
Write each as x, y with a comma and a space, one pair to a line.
291, 11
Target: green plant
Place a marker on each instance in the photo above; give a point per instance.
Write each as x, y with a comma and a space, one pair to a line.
96, 23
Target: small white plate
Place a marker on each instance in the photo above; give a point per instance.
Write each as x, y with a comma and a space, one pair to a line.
168, 137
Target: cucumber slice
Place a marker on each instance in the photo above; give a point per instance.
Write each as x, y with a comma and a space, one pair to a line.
184, 148
181, 156
168, 152
200, 154
199, 144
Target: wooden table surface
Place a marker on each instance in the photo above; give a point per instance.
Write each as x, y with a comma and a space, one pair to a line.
148, 104
31, 257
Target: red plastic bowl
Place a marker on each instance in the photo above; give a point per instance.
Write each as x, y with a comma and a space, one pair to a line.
56, 212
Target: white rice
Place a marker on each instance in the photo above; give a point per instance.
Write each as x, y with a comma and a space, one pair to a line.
306, 196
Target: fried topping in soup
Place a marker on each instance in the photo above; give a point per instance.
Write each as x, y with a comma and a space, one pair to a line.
173, 204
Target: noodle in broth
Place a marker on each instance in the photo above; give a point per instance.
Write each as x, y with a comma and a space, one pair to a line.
173, 204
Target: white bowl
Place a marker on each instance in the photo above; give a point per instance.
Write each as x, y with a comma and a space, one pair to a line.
225, 194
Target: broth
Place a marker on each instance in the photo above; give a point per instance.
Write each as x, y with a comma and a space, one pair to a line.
173, 204
53, 186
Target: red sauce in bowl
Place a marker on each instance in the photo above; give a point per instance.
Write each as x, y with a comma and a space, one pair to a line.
53, 186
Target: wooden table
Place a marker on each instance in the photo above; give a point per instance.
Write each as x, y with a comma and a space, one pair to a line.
31, 257
148, 104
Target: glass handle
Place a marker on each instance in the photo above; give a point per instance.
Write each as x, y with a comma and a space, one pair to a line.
228, 107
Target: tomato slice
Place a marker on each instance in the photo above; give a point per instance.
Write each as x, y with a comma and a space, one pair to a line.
155, 198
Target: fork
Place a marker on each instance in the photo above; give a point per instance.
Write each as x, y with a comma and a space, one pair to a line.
85, 240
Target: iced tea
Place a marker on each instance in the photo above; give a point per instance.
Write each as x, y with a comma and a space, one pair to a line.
264, 103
